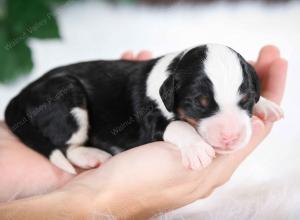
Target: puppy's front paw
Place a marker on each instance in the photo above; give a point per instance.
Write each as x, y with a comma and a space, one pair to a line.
267, 110
197, 155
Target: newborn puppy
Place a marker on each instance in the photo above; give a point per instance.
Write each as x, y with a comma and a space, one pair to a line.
200, 99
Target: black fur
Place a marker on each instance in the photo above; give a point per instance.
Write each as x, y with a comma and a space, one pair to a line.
113, 92
191, 83
114, 95
250, 87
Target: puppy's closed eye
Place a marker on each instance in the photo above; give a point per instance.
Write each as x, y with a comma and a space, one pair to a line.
203, 100
245, 99
248, 98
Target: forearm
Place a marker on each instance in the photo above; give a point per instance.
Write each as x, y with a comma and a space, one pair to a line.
17, 161
58, 205
76, 205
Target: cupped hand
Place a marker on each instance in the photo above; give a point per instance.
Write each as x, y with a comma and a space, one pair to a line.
24, 172
150, 179
147, 179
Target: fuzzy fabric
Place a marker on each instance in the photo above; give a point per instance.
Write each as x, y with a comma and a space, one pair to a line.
267, 184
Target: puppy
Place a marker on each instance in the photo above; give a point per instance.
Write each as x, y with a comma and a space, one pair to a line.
200, 99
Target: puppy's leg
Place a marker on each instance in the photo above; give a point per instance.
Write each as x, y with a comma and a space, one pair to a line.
83, 157
58, 159
87, 157
75, 153
58, 120
77, 137
196, 153
267, 110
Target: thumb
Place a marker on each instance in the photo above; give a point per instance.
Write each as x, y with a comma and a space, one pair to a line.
258, 127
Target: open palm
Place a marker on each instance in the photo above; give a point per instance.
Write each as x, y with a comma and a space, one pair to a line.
25, 172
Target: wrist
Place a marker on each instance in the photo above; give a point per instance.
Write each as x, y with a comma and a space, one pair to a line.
125, 203
114, 204
56, 205
102, 202
65, 204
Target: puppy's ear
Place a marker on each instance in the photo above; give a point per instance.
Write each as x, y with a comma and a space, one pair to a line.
251, 75
254, 80
167, 93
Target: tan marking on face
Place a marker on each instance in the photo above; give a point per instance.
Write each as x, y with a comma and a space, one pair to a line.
190, 120
203, 101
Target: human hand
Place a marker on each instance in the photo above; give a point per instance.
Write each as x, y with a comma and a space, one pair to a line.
24, 172
150, 179
27, 173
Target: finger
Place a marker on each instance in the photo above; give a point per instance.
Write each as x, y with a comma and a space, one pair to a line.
274, 82
266, 56
128, 55
144, 55
257, 126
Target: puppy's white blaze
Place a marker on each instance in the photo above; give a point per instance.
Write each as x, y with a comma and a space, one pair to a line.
81, 135
59, 160
223, 68
156, 78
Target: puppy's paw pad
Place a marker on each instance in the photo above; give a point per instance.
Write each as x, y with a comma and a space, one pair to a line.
197, 156
87, 157
268, 111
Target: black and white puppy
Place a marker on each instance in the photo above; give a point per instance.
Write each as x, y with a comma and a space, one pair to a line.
200, 99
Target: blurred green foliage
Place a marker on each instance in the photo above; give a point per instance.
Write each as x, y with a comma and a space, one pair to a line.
20, 20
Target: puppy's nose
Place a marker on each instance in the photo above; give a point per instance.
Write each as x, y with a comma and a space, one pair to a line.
229, 139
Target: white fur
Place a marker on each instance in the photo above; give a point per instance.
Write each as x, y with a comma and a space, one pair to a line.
230, 129
83, 157
81, 117
196, 153
233, 121
267, 110
269, 164
86, 157
156, 78
223, 68
77, 138
59, 160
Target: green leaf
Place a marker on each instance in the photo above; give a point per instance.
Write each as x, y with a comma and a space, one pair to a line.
33, 18
45, 28
14, 59
20, 20
55, 1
